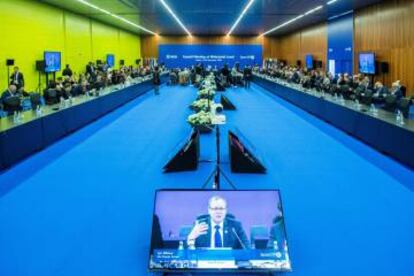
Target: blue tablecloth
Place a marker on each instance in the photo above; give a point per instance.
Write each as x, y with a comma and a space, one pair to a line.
19, 142
391, 139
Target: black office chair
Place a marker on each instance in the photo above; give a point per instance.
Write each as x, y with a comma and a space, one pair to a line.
390, 103
51, 96
346, 91
404, 106
12, 104
404, 90
35, 100
366, 97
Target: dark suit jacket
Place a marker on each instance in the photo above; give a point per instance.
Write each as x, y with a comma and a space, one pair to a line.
20, 79
229, 237
277, 233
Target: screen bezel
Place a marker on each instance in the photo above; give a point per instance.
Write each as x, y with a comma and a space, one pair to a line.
359, 63
212, 270
60, 63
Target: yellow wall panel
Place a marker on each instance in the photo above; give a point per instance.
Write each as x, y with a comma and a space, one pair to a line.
28, 28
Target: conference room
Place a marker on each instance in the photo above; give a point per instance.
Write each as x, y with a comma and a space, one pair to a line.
176, 137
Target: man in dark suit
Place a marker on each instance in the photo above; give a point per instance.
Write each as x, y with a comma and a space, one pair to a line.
90, 69
17, 78
217, 230
67, 71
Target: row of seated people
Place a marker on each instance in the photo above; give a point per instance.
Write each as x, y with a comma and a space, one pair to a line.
224, 76
70, 85
357, 87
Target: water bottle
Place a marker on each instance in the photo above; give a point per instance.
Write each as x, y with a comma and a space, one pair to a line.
15, 117
62, 103
342, 99
357, 105
374, 110
181, 245
399, 118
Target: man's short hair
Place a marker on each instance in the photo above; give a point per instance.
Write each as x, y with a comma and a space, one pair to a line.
216, 198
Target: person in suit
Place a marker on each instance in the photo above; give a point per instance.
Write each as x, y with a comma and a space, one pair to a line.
90, 69
156, 80
277, 234
17, 78
218, 229
396, 90
67, 71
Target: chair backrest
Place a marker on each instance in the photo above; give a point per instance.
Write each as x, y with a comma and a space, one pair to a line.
258, 232
12, 104
35, 99
404, 106
185, 231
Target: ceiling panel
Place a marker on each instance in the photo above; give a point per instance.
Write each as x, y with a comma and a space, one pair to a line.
211, 17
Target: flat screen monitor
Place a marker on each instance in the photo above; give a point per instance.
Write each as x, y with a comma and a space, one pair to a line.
110, 60
367, 63
309, 61
210, 231
52, 61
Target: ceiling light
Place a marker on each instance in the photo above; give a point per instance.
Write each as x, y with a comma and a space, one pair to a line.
292, 20
331, 2
175, 17
115, 16
240, 17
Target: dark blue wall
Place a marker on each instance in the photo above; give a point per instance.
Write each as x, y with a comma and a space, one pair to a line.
340, 43
177, 55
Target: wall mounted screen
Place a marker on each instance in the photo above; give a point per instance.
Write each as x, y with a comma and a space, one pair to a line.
367, 63
180, 56
52, 61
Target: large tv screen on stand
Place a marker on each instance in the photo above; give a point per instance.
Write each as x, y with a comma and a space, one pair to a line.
210, 230
52, 61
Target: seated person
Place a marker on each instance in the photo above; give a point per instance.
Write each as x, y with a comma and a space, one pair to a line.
217, 230
381, 91
9, 93
277, 234
396, 90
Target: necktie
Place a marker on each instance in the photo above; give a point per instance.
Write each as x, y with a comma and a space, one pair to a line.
217, 237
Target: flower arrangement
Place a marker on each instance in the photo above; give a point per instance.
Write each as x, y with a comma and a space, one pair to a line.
206, 93
200, 118
202, 104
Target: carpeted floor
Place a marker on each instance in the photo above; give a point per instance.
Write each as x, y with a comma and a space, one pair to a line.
84, 205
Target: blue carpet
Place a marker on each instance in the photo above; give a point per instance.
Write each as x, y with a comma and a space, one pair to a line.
84, 205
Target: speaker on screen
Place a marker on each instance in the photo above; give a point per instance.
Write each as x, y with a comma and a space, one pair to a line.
226, 103
187, 155
242, 159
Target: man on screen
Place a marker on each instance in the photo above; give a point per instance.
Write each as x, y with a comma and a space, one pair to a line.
218, 229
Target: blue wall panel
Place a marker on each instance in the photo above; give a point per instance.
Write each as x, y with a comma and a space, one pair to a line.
340, 43
215, 55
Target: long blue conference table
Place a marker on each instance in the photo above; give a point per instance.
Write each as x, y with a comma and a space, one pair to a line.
377, 129
36, 131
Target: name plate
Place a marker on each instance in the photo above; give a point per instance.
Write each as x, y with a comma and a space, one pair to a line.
216, 264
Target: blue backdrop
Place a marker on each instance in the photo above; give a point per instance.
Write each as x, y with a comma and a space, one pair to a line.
340, 44
186, 55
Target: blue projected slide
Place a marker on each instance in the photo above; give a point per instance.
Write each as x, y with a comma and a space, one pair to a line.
110, 60
52, 62
309, 62
367, 63
174, 56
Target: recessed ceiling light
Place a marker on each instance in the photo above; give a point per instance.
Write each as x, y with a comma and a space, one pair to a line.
240, 17
115, 16
175, 16
292, 20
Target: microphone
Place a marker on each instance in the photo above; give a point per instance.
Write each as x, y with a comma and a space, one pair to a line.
238, 238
